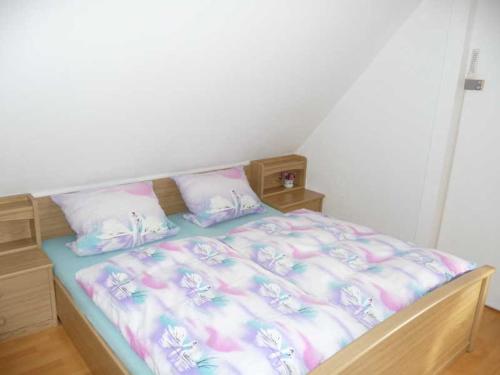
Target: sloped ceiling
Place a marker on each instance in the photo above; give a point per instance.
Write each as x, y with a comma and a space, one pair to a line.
100, 90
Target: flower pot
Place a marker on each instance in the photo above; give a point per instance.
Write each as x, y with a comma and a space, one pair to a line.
288, 183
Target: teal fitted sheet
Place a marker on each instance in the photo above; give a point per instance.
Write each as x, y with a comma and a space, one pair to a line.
66, 264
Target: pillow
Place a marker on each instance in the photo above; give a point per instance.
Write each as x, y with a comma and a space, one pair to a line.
115, 218
217, 196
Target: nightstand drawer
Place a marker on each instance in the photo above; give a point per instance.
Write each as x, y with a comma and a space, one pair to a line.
25, 300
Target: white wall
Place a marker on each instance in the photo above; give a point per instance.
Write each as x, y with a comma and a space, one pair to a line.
471, 221
370, 154
98, 90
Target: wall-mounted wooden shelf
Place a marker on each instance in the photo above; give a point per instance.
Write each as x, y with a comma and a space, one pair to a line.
19, 227
268, 184
267, 174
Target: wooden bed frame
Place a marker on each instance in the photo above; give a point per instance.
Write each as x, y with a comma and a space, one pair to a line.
423, 338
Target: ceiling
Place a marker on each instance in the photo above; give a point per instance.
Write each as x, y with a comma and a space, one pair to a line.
93, 91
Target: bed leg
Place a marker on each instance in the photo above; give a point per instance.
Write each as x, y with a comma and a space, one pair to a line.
479, 313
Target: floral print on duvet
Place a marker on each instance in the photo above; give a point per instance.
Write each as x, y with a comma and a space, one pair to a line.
289, 293
368, 274
194, 306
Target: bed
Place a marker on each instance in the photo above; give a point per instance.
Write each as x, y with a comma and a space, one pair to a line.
448, 316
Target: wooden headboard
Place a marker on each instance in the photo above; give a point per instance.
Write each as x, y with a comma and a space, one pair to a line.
54, 224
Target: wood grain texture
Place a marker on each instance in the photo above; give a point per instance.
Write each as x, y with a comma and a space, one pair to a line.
15, 246
14, 230
266, 173
483, 293
302, 198
23, 261
98, 356
19, 227
50, 352
52, 220
36, 233
485, 359
27, 301
15, 207
54, 224
268, 184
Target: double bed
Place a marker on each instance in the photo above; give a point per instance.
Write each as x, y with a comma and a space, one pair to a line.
420, 338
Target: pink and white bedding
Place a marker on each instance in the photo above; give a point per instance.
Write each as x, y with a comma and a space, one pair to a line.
289, 293
370, 275
194, 306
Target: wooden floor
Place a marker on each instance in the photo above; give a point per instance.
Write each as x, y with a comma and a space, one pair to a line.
485, 359
51, 352
48, 352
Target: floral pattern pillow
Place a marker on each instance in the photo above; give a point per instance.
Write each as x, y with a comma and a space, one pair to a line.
217, 196
115, 218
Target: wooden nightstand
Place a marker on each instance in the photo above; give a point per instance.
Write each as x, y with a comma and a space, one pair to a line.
267, 183
27, 302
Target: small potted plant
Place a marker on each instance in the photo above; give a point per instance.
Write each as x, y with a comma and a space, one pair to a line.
288, 179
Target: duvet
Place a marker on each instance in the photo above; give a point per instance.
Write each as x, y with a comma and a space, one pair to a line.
368, 274
278, 295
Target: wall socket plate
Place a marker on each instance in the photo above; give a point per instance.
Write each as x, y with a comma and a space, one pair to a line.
474, 84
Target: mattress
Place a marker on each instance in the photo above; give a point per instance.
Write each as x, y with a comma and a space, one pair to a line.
67, 264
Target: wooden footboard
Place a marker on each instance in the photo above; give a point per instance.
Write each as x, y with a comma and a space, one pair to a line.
420, 339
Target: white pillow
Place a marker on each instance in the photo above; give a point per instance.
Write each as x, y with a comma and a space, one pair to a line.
217, 196
114, 218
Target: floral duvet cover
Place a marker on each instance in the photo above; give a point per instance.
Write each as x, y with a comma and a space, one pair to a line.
287, 294
368, 274
195, 306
